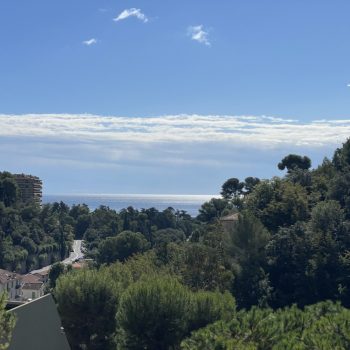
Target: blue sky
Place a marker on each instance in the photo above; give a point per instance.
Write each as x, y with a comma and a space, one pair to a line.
66, 67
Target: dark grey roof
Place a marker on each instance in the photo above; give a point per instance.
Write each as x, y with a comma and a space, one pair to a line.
38, 326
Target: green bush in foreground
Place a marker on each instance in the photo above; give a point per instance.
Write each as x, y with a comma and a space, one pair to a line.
152, 314
7, 323
158, 313
321, 326
87, 302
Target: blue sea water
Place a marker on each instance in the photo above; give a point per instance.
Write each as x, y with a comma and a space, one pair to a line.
189, 203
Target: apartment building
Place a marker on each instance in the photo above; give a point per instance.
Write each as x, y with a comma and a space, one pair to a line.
30, 187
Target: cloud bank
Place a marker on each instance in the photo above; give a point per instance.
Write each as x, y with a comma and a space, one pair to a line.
164, 154
132, 12
258, 131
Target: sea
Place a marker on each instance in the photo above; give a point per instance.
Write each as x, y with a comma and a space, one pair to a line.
188, 203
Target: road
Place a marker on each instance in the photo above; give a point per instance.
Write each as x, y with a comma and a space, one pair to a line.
74, 255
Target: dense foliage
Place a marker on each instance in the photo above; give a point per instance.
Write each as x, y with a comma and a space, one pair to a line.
157, 313
7, 323
320, 326
135, 305
291, 240
31, 236
267, 266
133, 231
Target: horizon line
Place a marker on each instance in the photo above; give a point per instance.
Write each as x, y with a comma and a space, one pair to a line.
132, 194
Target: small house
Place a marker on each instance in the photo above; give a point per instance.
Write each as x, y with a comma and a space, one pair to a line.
10, 282
32, 290
229, 221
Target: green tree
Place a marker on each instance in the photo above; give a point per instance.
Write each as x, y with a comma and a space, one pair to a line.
56, 271
321, 326
168, 235
208, 307
249, 184
142, 265
339, 189
153, 314
293, 162
231, 188
82, 224
156, 313
87, 302
106, 221
201, 266
327, 216
278, 203
341, 157
308, 262
330, 331
212, 210
121, 247
79, 210
246, 245
288, 253
9, 192
7, 323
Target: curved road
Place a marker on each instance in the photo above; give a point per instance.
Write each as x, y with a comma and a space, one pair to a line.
74, 255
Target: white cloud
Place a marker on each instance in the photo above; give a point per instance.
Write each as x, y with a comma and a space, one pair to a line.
132, 12
198, 33
90, 42
254, 131
158, 154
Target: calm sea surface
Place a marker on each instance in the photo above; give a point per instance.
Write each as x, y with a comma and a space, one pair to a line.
189, 203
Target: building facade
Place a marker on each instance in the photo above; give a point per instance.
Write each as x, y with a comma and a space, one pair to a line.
10, 283
31, 291
32, 287
30, 188
228, 221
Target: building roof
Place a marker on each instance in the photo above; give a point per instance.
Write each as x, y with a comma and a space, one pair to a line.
29, 278
6, 276
38, 326
230, 217
77, 266
42, 273
32, 286
26, 177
